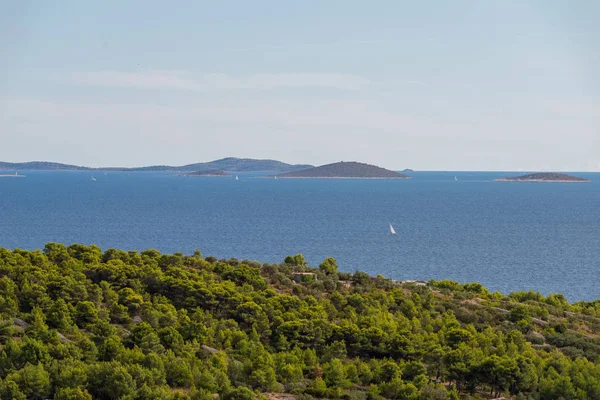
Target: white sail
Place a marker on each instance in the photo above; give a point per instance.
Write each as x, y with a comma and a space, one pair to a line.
455, 178
392, 231
236, 178
94, 179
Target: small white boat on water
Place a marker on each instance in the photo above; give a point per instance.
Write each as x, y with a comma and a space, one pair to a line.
455, 178
93, 179
392, 231
236, 178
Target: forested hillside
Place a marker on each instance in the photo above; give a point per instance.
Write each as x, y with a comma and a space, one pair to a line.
79, 323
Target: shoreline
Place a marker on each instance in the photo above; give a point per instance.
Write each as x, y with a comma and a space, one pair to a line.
338, 177
205, 176
541, 180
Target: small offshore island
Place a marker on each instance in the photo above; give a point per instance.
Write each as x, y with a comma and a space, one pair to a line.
543, 177
346, 170
215, 173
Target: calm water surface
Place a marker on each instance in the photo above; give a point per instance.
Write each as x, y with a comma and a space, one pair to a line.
508, 236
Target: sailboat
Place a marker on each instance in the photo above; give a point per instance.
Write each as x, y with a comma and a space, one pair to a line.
236, 178
93, 179
455, 178
392, 231
275, 177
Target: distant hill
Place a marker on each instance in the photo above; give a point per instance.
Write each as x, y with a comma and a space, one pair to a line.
210, 172
346, 170
245, 165
543, 177
225, 164
41, 166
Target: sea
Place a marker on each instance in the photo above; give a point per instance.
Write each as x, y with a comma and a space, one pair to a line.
509, 236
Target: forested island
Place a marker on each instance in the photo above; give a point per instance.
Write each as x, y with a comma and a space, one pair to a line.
208, 173
77, 322
346, 170
543, 177
225, 164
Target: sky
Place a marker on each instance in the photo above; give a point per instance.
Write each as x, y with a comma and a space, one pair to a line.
429, 85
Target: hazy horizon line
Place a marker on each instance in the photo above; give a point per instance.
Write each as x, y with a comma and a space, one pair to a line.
521, 170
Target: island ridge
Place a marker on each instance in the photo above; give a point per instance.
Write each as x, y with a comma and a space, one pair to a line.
344, 169
225, 164
543, 177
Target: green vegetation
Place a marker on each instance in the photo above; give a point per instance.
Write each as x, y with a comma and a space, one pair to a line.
79, 323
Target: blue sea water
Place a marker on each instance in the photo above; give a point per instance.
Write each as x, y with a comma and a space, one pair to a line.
508, 236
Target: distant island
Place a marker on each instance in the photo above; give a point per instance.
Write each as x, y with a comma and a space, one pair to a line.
40, 166
346, 170
542, 177
210, 172
231, 164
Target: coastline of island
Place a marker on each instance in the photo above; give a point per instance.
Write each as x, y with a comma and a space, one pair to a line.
341, 177
544, 177
208, 174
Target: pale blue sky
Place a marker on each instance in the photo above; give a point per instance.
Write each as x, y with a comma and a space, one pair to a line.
451, 85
